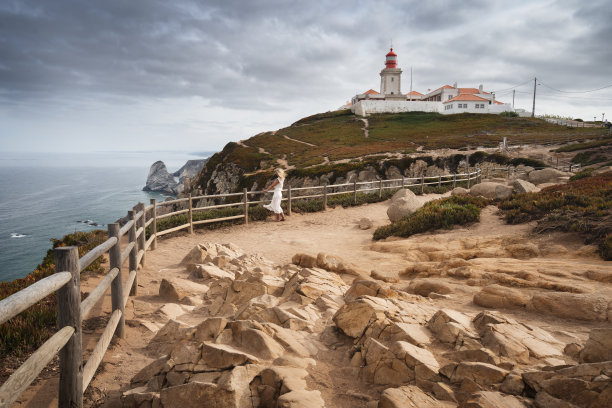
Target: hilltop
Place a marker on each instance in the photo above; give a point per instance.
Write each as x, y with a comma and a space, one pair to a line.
339, 141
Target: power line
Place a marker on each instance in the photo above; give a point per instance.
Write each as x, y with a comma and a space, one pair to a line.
511, 88
592, 90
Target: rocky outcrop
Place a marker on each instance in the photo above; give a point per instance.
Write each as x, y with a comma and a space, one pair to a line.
403, 203
238, 331
160, 180
491, 190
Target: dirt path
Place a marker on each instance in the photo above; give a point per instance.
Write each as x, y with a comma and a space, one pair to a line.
299, 141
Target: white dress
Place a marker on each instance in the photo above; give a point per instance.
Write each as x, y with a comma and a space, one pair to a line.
275, 205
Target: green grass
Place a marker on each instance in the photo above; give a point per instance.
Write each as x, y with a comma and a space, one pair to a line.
588, 158
439, 214
583, 205
27, 331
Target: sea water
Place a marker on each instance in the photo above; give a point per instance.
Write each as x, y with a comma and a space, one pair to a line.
46, 195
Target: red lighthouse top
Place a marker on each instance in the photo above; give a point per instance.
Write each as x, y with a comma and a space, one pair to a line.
391, 61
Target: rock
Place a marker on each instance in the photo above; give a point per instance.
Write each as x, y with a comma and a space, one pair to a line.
222, 356
573, 350
301, 399
189, 170
598, 347
491, 190
513, 384
497, 296
355, 316
409, 396
482, 355
424, 287
364, 287
209, 329
480, 373
330, 263
150, 370
365, 223
304, 260
160, 180
523, 186
492, 399
197, 255
412, 333
210, 271
420, 360
273, 382
403, 206
176, 289
548, 175
571, 305
402, 193
140, 397
448, 324
458, 191
195, 394
443, 392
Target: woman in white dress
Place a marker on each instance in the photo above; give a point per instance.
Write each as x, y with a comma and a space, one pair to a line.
275, 205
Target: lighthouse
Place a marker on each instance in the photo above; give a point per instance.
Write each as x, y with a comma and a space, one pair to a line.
390, 78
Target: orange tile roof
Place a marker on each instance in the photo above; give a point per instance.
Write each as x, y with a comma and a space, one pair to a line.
468, 90
414, 93
371, 92
467, 97
499, 103
443, 87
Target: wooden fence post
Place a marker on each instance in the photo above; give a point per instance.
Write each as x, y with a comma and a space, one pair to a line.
133, 253
468, 177
114, 255
325, 196
454, 180
380, 182
69, 314
154, 224
439, 181
190, 215
403, 181
355, 191
141, 238
246, 205
422, 183
508, 175
289, 199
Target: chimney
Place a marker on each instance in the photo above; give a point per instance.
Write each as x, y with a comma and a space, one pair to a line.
480, 88
455, 85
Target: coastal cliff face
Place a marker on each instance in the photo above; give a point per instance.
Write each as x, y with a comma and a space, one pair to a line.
159, 179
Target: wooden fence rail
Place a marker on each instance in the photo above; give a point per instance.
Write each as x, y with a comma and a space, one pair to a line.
75, 376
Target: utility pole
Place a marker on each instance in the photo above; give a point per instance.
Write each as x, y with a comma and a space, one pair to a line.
410, 83
535, 83
513, 92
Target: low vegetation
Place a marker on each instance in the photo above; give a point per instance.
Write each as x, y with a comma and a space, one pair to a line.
584, 145
27, 331
583, 205
439, 214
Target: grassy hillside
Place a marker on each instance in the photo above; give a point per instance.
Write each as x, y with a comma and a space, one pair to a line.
340, 135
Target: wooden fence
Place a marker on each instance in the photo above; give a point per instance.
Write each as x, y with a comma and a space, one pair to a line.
67, 341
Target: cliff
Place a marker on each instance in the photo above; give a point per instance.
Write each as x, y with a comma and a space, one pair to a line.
159, 179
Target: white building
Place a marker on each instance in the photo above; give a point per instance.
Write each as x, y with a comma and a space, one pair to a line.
446, 99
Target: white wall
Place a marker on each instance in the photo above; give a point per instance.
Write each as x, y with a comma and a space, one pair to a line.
367, 107
471, 107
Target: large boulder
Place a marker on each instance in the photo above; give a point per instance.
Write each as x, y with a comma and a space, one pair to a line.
409, 396
403, 206
491, 190
598, 347
497, 296
548, 175
493, 399
571, 305
523, 186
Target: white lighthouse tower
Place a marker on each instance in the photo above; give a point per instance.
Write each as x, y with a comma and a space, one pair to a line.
390, 78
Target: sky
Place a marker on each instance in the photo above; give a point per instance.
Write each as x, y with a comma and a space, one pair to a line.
189, 75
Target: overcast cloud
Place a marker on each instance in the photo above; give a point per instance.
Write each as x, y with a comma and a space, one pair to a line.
80, 75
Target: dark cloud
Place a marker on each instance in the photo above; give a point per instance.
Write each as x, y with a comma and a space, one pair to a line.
264, 55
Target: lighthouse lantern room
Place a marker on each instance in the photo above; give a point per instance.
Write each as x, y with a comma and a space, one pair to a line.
390, 78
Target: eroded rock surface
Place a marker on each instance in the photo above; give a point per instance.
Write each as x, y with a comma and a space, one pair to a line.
239, 331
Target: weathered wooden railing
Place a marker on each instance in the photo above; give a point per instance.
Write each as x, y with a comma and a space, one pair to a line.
67, 341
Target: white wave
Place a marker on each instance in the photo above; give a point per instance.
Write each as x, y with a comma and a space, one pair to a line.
17, 235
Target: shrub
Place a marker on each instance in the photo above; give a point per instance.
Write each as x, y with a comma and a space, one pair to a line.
528, 162
28, 330
588, 158
510, 114
443, 213
582, 174
583, 205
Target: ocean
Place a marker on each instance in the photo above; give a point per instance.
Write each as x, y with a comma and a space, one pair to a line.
47, 195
